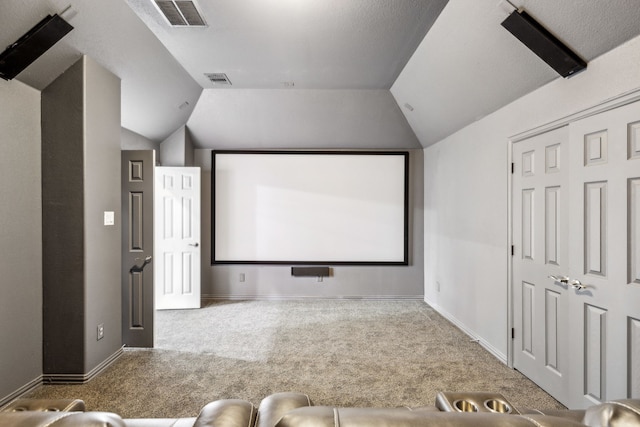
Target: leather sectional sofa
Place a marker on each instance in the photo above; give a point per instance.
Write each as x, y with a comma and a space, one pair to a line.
296, 410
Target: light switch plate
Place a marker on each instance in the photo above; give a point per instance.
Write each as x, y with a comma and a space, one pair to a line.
109, 218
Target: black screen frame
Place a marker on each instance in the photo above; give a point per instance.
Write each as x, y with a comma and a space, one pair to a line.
405, 260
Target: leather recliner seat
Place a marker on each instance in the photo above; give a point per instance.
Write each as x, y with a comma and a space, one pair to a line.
296, 410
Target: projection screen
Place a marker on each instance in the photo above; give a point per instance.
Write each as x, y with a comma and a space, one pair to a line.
302, 207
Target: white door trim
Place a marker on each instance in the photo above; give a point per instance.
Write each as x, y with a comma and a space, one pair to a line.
606, 105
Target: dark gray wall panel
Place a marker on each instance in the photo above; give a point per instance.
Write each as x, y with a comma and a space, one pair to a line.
63, 222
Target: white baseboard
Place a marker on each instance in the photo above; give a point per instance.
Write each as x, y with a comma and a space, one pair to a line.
491, 349
211, 297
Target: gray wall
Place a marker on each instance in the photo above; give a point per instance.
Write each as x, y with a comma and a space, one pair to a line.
297, 119
20, 240
263, 282
466, 196
177, 149
129, 140
81, 256
103, 259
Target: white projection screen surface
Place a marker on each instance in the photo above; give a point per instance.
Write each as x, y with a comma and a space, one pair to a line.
279, 207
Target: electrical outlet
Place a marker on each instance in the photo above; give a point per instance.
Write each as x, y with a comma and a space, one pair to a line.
438, 286
242, 277
100, 331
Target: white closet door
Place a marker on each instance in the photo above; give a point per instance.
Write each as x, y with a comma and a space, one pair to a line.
605, 256
540, 235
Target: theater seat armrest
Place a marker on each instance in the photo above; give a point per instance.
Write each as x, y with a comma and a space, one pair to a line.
617, 413
571, 414
227, 413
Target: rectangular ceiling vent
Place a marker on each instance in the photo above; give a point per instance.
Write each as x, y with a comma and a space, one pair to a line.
181, 13
218, 78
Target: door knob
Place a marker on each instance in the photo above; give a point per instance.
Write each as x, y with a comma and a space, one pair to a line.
576, 284
194, 244
561, 279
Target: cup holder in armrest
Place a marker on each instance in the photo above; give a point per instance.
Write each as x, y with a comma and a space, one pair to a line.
462, 405
497, 405
45, 405
474, 402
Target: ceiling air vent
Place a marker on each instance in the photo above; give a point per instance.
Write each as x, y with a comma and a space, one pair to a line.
218, 78
181, 13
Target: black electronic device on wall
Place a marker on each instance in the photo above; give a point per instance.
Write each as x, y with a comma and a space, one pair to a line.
543, 43
310, 271
32, 45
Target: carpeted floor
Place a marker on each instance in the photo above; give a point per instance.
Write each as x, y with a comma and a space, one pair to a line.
340, 352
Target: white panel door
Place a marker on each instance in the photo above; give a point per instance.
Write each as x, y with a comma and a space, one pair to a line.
540, 237
177, 237
605, 256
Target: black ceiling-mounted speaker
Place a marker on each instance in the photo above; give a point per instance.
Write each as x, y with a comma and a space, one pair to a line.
543, 43
34, 43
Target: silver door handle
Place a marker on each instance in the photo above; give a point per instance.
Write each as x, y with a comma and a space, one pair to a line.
561, 279
138, 268
576, 284
194, 244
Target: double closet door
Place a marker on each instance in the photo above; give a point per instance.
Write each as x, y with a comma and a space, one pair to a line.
576, 262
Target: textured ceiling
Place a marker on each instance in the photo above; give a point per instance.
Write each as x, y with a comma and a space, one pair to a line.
322, 66
328, 44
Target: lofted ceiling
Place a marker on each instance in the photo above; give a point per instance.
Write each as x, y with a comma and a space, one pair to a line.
316, 73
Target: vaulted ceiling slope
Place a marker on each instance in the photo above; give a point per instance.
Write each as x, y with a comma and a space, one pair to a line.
468, 65
316, 74
154, 84
303, 73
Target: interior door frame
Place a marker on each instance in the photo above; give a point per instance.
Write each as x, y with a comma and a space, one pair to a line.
606, 105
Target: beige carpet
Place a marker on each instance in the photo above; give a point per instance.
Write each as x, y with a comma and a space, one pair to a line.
340, 352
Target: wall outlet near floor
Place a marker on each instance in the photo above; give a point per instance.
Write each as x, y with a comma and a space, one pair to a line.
100, 331
242, 277
438, 286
